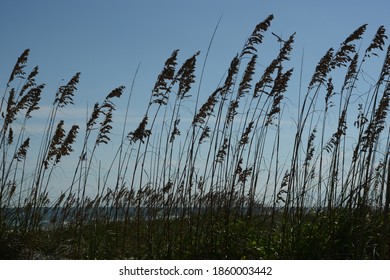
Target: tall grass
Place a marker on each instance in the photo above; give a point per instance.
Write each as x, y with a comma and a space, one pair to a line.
226, 180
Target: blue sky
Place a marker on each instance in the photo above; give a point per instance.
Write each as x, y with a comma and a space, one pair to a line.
106, 40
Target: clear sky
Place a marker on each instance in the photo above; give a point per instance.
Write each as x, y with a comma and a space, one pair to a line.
106, 40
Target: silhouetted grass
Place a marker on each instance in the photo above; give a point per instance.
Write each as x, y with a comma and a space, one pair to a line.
215, 184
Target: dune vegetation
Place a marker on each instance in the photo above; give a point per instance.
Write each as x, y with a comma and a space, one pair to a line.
208, 178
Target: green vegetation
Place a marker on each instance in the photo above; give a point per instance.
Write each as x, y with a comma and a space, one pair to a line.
218, 186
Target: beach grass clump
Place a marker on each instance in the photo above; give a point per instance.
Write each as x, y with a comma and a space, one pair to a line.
223, 179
